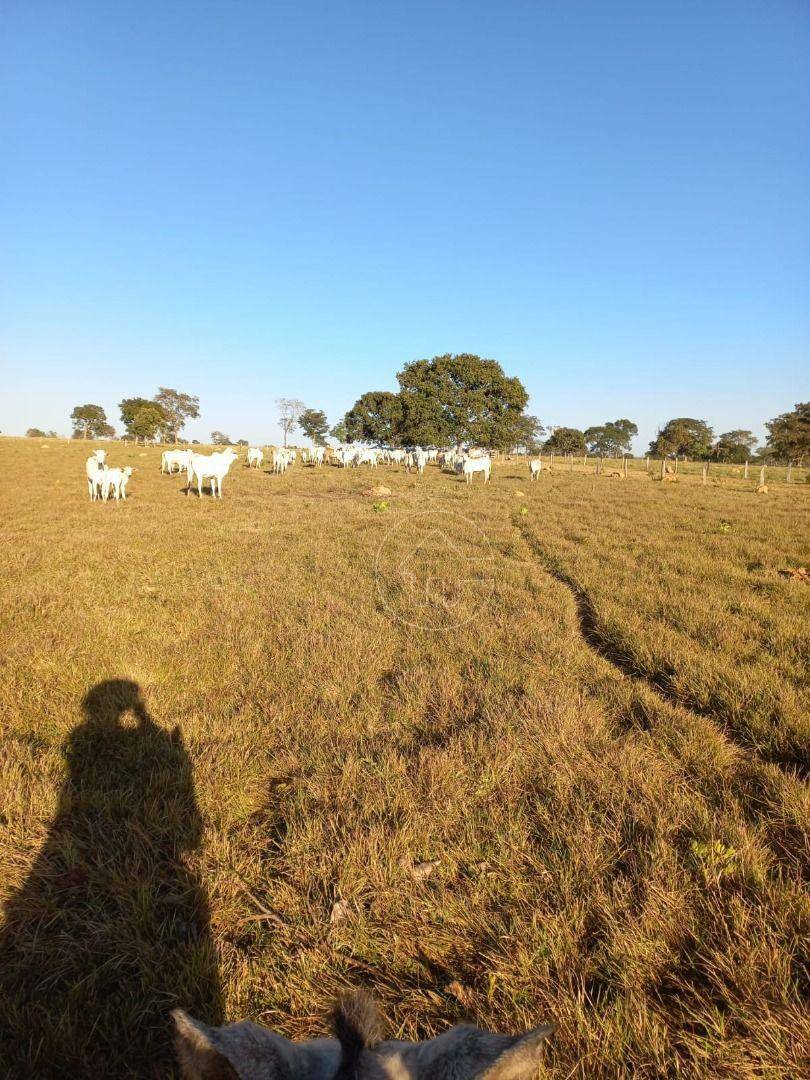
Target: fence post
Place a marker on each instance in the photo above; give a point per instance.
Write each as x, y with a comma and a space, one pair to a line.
647, 463
745, 474
676, 464
624, 466
585, 460
705, 472
663, 467
572, 463
790, 469
762, 477
551, 463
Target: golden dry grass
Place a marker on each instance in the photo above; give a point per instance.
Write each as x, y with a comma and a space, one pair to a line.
602, 746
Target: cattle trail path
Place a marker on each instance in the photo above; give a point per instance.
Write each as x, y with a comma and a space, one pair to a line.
626, 663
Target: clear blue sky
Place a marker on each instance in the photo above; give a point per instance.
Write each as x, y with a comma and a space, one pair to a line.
248, 200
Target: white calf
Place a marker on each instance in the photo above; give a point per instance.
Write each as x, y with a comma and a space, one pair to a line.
94, 466
255, 457
115, 480
170, 459
535, 468
211, 467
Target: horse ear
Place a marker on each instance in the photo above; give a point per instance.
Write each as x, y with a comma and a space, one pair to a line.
521, 1059
199, 1059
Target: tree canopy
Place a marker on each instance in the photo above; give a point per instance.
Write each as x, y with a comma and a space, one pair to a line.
153, 422
178, 408
460, 398
566, 440
90, 422
683, 437
376, 417
611, 439
789, 434
314, 425
340, 433
38, 433
734, 446
219, 438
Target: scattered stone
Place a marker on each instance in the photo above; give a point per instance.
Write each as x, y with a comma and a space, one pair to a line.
377, 492
421, 871
798, 573
762, 489
520, 494
340, 912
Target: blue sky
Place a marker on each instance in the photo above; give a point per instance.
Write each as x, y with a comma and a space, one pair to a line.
249, 200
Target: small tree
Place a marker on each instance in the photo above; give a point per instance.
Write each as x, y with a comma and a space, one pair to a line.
36, 433
789, 434
611, 439
289, 409
683, 437
178, 408
735, 446
242, 442
528, 433
314, 425
89, 421
566, 440
340, 433
219, 438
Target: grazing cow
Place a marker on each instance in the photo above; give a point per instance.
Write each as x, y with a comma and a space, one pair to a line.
467, 466
211, 467
535, 468
360, 1051
318, 455
281, 459
419, 459
171, 458
255, 457
93, 467
115, 480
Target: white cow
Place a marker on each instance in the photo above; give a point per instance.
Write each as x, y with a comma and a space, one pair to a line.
318, 455
471, 465
419, 459
211, 467
535, 468
281, 460
115, 480
93, 468
255, 456
171, 458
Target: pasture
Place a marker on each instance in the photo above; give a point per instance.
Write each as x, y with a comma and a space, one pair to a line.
522, 753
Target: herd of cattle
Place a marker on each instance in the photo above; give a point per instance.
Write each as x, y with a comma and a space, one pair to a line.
103, 481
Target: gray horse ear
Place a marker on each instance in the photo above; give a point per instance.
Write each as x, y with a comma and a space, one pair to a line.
198, 1057
521, 1060
242, 1051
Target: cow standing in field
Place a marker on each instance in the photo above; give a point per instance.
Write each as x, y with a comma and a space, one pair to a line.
93, 468
211, 467
535, 468
255, 457
470, 465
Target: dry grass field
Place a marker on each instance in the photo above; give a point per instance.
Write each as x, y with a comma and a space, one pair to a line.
519, 754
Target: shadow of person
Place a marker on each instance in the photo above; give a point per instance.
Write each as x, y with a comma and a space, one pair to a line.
110, 929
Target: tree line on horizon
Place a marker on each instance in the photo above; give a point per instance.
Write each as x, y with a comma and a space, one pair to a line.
456, 399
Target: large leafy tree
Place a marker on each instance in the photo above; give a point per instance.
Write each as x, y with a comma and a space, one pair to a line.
789, 434
89, 422
735, 446
683, 437
148, 422
154, 420
219, 438
566, 440
178, 408
376, 417
460, 398
612, 438
314, 425
340, 433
